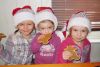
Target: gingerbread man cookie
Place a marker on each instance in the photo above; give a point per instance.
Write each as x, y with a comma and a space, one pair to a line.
45, 39
73, 51
2, 36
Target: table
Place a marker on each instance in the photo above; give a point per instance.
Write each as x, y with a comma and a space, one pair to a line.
96, 64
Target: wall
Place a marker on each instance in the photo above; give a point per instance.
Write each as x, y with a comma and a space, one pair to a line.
94, 38
95, 52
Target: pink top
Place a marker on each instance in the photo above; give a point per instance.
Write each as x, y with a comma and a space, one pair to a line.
83, 52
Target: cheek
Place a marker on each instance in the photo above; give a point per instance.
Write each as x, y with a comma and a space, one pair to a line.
84, 35
73, 33
20, 27
50, 31
42, 31
31, 27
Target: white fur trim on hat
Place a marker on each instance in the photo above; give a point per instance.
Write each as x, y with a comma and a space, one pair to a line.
79, 21
60, 35
46, 15
22, 16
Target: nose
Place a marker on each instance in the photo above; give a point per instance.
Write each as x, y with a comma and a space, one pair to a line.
25, 27
46, 30
79, 33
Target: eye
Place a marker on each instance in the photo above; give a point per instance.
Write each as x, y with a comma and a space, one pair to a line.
50, 27
30, 24
42, 28
75, 30
83, 30
20, 24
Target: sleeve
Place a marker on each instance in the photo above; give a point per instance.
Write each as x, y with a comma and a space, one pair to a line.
88, 54
6, 53
59, 58
35, 46
89, 50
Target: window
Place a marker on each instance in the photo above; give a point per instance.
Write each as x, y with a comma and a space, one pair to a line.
65, 8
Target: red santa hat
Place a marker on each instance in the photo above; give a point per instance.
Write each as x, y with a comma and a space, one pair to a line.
46, 13
22, 14
79, 19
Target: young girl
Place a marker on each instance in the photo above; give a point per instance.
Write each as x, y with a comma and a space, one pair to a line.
76, 47
16, 50
45, 44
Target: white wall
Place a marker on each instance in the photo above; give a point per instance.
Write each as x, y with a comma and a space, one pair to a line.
95, 52
94, 38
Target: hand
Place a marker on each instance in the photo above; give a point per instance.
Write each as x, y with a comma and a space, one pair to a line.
66, 55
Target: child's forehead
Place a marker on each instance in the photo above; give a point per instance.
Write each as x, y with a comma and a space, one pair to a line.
79, 27
46, 22
49, 21
26, 22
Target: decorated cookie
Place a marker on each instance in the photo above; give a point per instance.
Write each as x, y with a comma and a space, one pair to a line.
45, 39
2, 36
73, 51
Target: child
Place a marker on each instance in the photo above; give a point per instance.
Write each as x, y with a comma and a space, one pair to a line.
76, 47
16, 50
45, 44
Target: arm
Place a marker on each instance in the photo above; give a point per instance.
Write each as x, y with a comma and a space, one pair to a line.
6, 53
62, 56
1, 46
35, 46
59, 58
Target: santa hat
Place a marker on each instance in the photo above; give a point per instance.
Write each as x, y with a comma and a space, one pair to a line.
79, 19
22, 14
46, 13
64, 29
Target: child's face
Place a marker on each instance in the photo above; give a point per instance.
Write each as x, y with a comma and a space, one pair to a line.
26, 27
79, 33
46, 27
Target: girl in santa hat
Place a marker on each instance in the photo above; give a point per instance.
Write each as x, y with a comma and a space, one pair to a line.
76, 47
16, 50
46, 42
